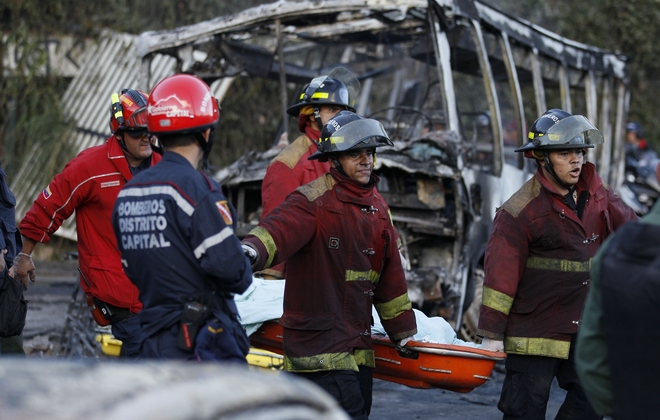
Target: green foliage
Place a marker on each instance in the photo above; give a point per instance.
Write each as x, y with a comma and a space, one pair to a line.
29, 96
631, 28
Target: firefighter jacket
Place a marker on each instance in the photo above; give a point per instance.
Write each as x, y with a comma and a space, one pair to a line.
175, 230
537, 263
289, 170
89, 185
339, 243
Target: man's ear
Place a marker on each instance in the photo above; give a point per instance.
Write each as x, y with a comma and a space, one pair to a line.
332, 163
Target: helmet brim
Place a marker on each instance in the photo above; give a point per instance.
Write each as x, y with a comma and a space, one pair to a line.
360, 134
574, 132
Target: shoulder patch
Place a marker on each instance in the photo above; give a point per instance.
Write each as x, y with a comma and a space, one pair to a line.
292, 153
318, 187
521, 198
223, 208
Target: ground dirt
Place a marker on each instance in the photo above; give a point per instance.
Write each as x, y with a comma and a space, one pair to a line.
50, 296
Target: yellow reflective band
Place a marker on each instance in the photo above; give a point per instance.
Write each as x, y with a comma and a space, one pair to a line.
558, 265
320, 95
116, 106
370, 275
394, 307
499, 301
335, 140
322, 362
554, 137
264, 236
537, 347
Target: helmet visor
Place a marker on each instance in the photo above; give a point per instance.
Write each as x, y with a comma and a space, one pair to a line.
574, 131
138, 120
349, 80
358, 135
341, 74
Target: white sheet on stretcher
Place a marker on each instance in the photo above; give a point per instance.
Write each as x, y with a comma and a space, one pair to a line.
262, 301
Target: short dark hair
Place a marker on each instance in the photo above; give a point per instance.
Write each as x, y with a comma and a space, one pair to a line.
174, 140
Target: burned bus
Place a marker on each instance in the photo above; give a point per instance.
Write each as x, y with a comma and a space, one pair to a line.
456, 83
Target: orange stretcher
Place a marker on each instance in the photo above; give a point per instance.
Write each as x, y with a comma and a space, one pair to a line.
446, 366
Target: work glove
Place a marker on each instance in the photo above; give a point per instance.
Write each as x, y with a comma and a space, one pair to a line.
251, 253
23, 268
492, 345
405, 351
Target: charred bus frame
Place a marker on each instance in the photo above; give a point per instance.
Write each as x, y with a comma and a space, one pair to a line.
455, 82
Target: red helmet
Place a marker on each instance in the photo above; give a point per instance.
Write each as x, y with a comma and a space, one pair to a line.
128, 111
181, 103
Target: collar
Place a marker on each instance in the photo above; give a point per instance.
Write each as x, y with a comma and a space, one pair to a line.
589, 179
349, 190
117, 157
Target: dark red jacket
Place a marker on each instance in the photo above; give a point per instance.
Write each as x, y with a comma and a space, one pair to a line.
340, 245
89, 185
537, 263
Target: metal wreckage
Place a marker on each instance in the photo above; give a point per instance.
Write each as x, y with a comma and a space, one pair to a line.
455, 83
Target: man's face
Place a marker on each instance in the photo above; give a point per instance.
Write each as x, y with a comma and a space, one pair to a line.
138, 145
567, 165
327, 112
357, 164
631, 137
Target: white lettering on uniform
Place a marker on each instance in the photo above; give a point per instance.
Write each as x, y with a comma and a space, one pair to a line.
141, 224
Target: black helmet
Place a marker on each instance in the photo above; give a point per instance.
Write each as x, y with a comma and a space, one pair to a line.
339, 87
556, 129
349, 131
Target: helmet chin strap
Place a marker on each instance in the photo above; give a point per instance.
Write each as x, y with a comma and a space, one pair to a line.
317, 118
338, 165
122, 144
206, 146
551, 169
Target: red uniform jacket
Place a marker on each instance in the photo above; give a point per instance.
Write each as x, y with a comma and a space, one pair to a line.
340, 245
89, 185
537, 263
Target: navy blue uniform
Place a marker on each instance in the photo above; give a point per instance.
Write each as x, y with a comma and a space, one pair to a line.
175, 230
10, 239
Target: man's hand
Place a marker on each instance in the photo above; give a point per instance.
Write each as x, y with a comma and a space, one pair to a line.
24, 268
3, 263
405, 351
251, 253
492, 345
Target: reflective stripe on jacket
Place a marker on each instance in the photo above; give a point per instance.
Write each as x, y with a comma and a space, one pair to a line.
89, 185
537, 263
339, 243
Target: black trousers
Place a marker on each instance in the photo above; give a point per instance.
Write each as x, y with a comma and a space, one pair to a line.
526, 388
353, 390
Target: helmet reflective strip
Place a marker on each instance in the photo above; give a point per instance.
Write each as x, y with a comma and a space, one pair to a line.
320, 95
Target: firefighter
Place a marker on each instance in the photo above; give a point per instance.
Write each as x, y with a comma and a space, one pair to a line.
641, 159
537, 266
89, 185
616, 353
175, 230
319, 101
339, 243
